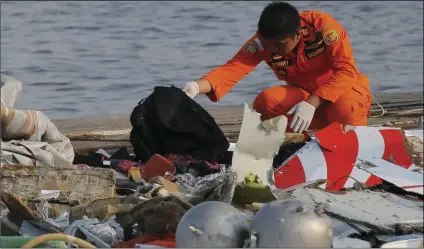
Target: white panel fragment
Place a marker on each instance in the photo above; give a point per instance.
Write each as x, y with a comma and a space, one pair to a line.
257, 144
401, 177
313, 161
380, 210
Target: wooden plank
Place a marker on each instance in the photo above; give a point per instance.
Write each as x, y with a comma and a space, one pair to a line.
394, 103
75, 185
91, 128
112, 132
99, 128
398, 97
93, 145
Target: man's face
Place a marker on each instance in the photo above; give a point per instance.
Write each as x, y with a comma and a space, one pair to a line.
284, 46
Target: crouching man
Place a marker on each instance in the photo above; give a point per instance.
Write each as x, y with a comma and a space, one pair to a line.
28, 136
311, 52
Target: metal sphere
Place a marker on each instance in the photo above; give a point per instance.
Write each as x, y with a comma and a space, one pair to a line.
212, 224
292, 223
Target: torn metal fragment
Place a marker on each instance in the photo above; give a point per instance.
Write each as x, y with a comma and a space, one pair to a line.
380, 211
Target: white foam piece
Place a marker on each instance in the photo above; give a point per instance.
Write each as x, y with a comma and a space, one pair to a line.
232, 147
256, 146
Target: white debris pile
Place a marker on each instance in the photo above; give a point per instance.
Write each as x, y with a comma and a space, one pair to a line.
29, 137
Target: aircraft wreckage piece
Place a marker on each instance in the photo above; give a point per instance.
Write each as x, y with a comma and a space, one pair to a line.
257, 144
379, 211
343, 156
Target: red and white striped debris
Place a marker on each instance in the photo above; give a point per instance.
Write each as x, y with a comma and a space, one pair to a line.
343, 155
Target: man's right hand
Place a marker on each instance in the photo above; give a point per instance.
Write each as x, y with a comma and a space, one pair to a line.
191, 89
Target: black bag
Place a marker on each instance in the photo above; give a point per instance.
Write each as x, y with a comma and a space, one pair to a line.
168, 121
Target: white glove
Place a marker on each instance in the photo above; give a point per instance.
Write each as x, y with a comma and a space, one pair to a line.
191, 89
303, 114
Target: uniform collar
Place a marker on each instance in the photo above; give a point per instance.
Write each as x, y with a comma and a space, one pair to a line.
300, 45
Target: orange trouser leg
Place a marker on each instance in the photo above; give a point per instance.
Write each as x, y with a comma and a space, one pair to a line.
278, 100
351, 108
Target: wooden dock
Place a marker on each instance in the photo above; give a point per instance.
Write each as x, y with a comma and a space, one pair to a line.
112, 132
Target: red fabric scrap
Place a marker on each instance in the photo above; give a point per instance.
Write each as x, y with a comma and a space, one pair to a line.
165, 240
124, 166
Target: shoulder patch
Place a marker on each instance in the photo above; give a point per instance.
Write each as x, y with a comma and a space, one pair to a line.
330, 36
251, 48
325, 27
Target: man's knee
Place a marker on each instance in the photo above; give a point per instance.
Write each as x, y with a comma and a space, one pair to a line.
278, 100
350, 109
263, 101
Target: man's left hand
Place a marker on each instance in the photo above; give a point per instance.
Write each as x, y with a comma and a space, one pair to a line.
303, 114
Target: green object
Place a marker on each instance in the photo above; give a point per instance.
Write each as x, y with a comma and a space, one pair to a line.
252, 190
18, 242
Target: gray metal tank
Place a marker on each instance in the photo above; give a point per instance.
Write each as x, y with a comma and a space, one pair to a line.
212, 224
291, 223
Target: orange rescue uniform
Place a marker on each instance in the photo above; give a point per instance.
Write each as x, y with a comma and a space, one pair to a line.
323, 64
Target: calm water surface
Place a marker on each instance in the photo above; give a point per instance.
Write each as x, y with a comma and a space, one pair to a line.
94, 58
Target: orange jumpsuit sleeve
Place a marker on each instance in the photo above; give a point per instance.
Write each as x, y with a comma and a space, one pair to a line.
339, 54
225, 77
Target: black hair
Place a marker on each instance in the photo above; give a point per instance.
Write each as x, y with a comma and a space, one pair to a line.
279, 20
